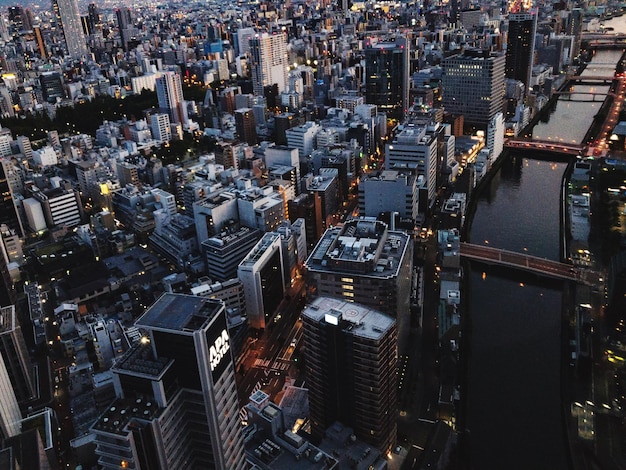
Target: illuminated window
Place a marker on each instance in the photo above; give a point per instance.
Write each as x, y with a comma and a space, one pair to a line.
347, 279
347, 287
348, 294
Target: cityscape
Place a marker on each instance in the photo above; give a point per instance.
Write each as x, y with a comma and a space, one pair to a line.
372, 235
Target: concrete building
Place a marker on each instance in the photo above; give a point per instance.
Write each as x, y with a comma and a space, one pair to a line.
415, 149
388, 191
14, 354
213, 213
473, 85
269, 61
176, 403
363, 262
264, 279
303, 137
68, 19
345, 384
224, 251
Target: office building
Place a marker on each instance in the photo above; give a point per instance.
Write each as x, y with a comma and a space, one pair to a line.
60, 206
213, 213
473, 85
224, 251
169, 90
10, 415
176, 403
520, 47
246, 125
269, 61
10, 184
325, 188
387, 76
303, 137
416, 149
351, 361
364, 262
15, 355
68, 19
264, 279
125, 25
388, 191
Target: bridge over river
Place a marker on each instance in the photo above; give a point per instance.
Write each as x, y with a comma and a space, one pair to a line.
529, 263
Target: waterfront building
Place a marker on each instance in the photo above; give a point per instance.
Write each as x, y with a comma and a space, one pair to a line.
176, 403
364, 262
520, 47
351, 361
473, 85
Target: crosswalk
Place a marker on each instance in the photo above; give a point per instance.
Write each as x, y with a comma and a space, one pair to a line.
279, 364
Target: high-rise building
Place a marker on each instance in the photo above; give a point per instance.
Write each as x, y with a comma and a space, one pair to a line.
68, 19
473, 85
264, 279
387, 76
169, 90
364, 262
520, 47
269, 61
10, 415
351, 361
14, 353
9, 179
245, 125
176, 403
125, 25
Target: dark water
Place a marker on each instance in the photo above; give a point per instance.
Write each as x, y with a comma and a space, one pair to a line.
513, 400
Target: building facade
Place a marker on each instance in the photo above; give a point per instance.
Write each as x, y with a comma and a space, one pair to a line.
351, 362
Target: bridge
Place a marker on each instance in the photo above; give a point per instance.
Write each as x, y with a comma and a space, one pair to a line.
541, 266
545, 146
529, 263
591, 78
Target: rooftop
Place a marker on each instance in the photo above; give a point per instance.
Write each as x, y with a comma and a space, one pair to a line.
359, 320
179, 312
364, 246
122, 411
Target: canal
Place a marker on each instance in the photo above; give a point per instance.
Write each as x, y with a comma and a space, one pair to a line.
514, 416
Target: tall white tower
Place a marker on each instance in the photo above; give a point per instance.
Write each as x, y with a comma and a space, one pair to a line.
169, 90
269, 61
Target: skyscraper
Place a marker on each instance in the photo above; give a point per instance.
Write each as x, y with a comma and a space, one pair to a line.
520, 47
473, 85
176, 401
351, 363
269, 61
169, 90
68, 19
387, 76
245, 125
125, 24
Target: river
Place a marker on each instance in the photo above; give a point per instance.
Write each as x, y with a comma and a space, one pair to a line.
514, 384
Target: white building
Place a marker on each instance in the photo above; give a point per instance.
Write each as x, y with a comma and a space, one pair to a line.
160, 126
495, 137
269, 61
303, 137
34, 214
46, 156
